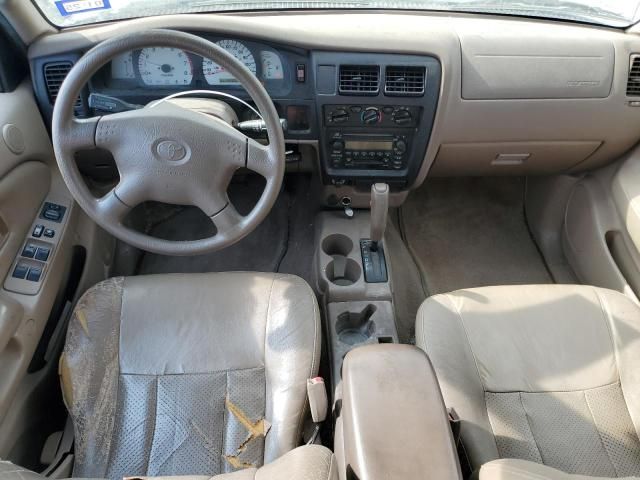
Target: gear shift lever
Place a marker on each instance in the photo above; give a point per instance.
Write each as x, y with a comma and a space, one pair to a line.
372, 250
379, 209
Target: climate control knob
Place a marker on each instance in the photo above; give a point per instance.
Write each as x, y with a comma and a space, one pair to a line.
402, 117
339, 115
371, 116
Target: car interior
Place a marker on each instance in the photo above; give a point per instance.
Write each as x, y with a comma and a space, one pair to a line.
319, 240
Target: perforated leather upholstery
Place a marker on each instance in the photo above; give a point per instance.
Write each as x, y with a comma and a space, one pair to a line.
544, 373
186, 374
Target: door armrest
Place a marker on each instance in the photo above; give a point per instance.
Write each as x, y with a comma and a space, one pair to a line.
394, 421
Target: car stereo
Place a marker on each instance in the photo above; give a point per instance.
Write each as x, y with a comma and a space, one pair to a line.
370, 151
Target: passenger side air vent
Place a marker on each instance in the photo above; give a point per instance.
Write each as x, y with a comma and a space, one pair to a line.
633, 83
359, 79
54, 74
404, 80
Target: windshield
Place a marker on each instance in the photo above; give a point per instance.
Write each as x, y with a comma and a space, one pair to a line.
614, 13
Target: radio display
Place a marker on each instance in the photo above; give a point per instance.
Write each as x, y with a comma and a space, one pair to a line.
368, 145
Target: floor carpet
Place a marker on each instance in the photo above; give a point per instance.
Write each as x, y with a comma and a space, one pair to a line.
471, 232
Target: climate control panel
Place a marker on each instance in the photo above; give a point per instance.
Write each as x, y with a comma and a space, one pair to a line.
371, 115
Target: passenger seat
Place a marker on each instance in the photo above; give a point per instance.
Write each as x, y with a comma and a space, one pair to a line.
539, 375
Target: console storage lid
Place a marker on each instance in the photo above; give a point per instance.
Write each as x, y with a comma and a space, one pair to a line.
394, 420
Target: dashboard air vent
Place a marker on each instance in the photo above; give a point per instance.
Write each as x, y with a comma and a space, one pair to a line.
54, 74
404, 80
359, 79
633, 83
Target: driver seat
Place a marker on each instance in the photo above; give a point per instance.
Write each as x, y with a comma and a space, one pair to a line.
195, 374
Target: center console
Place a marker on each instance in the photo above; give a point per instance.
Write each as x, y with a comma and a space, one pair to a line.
375, 115
393, 422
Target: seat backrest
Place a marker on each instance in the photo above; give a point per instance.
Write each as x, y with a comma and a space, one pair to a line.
189, 374
547, 373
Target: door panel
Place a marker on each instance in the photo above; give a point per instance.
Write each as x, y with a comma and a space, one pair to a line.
28, 177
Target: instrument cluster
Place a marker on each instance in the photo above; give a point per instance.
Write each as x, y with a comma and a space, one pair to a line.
162, 67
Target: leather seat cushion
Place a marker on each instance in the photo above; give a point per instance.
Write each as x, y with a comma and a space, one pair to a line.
310, 462
546, 373
194, 374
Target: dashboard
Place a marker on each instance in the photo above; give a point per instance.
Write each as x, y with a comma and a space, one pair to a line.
497, 96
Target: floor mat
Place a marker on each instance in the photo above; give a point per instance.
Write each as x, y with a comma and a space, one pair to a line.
260, 251
471, 232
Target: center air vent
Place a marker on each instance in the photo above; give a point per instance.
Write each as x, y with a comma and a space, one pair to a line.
54, 74
359, 79
633, 83
404, 80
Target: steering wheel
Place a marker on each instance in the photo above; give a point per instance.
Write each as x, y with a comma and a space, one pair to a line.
167, 153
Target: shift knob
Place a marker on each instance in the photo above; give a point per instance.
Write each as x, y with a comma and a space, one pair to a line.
379, 209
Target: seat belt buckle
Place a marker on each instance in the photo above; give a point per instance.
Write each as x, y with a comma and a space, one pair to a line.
318, 404
318, 401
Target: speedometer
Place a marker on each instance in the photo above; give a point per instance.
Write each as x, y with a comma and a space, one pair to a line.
165, 66
217, 75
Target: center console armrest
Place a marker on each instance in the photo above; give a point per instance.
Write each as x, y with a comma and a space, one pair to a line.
394, 422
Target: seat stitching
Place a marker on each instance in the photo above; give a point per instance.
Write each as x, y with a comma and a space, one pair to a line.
539, 392
155, 423
475, 361
210, 372
466, 334
593, 418
223, 465
316, 314
264, 349
331, 462
607, 321
526, 417
117, 387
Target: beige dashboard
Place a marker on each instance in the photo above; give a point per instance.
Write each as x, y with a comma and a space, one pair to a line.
517, 96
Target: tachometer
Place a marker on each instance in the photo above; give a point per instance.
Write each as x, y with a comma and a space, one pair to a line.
216, 75
165, 66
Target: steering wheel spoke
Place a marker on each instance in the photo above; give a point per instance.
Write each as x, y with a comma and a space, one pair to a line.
81, 134
260, 158
112, 208
227, 219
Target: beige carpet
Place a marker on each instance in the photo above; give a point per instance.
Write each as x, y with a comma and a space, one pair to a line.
471, 232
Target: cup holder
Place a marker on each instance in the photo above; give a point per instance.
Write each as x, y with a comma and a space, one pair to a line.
337, 244
356, 327
343, 271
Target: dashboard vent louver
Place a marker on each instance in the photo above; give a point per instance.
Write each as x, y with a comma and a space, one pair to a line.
633, 82
359, 79
54, 75
404, 80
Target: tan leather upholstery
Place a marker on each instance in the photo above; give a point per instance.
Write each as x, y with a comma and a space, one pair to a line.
546, 373
186, 374
508, 469
311, 462
394, 422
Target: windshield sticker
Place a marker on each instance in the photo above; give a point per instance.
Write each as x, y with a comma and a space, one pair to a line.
71, 7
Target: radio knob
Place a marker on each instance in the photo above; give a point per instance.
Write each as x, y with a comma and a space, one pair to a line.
337, 146
400, 146
402, 117
339, 115
371, 116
